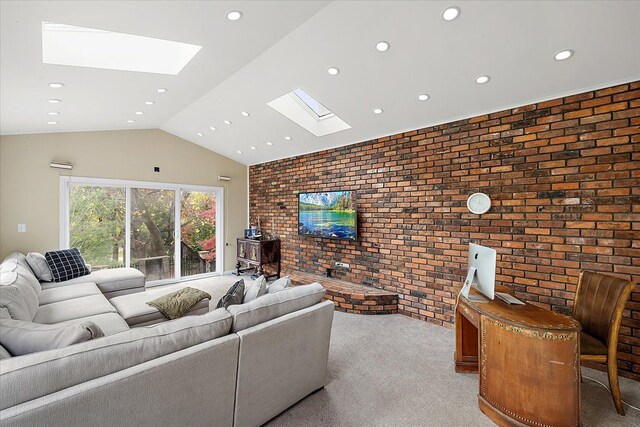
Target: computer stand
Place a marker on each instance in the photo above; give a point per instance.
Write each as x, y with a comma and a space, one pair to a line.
469, 281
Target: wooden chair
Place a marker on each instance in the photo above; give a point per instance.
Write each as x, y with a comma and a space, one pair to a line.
598, 306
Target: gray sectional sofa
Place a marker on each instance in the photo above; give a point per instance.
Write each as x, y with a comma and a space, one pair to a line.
239, 366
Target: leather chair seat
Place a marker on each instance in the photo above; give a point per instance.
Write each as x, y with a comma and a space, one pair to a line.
591, 346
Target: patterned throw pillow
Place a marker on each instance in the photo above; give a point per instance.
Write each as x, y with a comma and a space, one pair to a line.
177, 303
66, 264
234, 295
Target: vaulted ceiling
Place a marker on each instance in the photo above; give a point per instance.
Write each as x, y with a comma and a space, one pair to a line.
279, 46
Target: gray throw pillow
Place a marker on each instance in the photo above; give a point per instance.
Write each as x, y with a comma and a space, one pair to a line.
38, 264
234, 295
19, 337
256, 290
177, 303
279, 285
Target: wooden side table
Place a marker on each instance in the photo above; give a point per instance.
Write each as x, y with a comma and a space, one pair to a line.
256, 254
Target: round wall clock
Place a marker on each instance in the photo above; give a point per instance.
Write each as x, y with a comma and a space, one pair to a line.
478, 203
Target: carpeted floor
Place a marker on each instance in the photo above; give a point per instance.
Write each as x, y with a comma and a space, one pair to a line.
396, 371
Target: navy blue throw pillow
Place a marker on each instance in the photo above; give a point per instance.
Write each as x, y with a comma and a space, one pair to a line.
66, 264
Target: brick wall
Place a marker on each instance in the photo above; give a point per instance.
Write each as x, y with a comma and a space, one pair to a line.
564, 177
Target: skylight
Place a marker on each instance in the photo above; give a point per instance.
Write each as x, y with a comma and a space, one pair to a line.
88, 47
309, 113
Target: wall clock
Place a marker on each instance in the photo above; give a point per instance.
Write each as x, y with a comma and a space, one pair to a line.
478, 203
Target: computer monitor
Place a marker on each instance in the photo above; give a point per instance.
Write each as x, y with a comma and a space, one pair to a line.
481, 272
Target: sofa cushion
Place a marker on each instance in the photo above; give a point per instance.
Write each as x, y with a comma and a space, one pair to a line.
279, 285
66, 264
22, 269
18, 295
27, 337
39, 266
109, 323
18, 258
108, 280
35, 375
176, 304
4, 354
64, 293
256, 289
274, 305
73, 309
135, 310
234, 295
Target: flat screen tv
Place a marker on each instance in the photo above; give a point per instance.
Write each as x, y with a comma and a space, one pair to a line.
331, 215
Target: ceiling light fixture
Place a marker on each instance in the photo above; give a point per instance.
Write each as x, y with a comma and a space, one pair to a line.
149, 102
227, 122
161, 90
377, 111
333, 71
56, 85
130, 121
382, 46
269, 143
244, 113
200, 134
563, 54
253, 148
234, 15
288, 138
52, 123
482, 79
212, 128
450, 13
139, 113
53, 113
239, 152
423, 97
54, 101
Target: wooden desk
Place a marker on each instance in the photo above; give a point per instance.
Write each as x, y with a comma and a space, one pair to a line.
528, 359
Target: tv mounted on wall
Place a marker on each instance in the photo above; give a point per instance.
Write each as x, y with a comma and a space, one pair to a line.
330, 215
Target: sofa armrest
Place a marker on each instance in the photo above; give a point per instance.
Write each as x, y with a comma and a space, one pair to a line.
282, 361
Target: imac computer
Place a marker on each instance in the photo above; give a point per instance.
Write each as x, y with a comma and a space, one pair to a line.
481, 273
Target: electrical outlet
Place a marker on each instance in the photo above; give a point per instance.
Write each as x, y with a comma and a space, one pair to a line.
342, 264
22, 228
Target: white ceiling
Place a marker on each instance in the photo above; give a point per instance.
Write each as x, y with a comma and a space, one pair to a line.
279, 46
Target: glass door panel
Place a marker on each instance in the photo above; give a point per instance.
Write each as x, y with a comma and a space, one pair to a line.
197, 232
152, 232
97, 224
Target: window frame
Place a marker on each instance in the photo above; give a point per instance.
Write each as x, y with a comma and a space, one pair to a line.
64, 237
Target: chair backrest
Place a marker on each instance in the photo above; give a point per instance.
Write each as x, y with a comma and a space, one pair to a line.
599, 303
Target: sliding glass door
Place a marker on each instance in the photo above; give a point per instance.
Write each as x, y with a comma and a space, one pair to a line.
129, 223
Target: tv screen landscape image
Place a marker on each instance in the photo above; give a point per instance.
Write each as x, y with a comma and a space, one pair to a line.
331, 215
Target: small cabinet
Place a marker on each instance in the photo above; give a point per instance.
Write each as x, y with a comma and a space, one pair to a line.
257, 253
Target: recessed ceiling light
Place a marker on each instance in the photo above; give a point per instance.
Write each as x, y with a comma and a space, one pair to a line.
333, 71
234, 15
269, 143
200, 134
482, 79
382, 46
423, 97
52, 123
227, 122
288, 138
450, 13
161, 90
149, 102
139, 113
253, 148
563, 54
53, 113
244, 113
56, 85
212, 128
130, 121
54, 101
377, 111
239, 152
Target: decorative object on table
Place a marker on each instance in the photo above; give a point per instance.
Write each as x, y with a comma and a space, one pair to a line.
255, 254
234, 295
478, 203
177, 303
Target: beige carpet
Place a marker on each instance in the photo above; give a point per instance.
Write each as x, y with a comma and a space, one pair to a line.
396, 371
